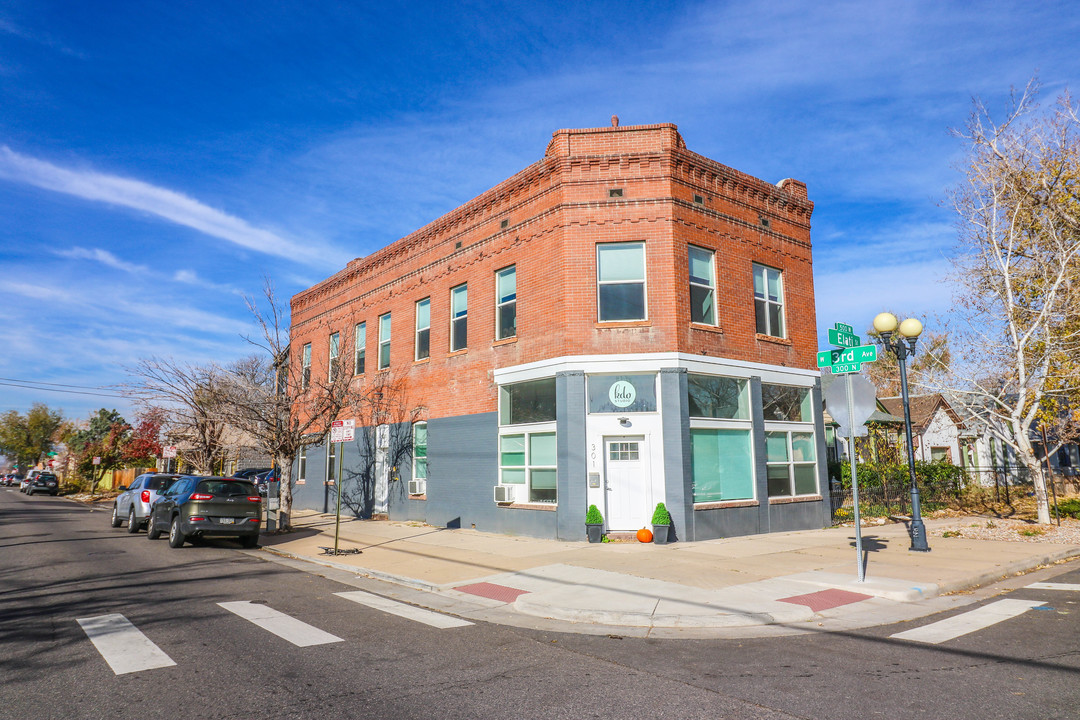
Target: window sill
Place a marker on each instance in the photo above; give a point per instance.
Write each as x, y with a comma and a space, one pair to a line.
418, 497
773, 339
798, 499
422, 361
726, 504
551, 507
612, 324
707, 328
301, 482
504, 341
455, 353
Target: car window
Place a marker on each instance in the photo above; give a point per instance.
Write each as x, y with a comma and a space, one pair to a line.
226, 487
159, 483
46, 476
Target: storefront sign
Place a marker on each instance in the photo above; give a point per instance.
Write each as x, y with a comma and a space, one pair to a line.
622, 393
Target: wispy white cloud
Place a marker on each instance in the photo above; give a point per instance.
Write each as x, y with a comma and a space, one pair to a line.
190, 277
142, 196
102, 256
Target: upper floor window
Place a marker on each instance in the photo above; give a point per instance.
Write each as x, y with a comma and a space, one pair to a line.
620, 279
459, 318
305, 365
384, 341
702, 286
360, 348
506, 303
423, 329
769, 300
335, 351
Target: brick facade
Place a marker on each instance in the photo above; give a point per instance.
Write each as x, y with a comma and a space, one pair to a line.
555, 212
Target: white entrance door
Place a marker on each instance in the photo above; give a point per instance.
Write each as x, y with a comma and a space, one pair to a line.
626, 464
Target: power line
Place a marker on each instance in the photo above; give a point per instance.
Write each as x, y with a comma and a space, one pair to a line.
68, 392
38, 382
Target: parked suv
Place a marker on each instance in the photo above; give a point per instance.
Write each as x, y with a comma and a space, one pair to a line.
134, 503
197, 506
44, 482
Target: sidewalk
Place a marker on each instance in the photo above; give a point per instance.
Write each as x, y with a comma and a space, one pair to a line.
776, 582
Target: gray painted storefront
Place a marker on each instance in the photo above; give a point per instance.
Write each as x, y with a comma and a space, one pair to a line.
463, 467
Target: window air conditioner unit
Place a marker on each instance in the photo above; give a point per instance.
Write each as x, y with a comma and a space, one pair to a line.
504, 493
417, 487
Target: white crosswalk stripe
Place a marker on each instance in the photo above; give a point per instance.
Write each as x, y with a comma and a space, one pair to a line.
404, 610
968, 622
1074, 587
285, 627
122, 645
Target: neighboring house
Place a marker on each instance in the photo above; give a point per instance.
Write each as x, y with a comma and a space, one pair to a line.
936, 428
623, 322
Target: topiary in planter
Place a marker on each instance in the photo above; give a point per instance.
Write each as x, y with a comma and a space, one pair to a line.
594, 524
661, 524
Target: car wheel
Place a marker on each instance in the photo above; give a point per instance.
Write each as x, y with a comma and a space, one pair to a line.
249, 541
152, 531
29, 492
115, 517
133, 523
176, 538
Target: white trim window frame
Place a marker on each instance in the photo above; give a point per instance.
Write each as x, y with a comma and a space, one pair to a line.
769, 301
791, 460
741, 421
419, 453
702, 267
621, 282
384, 341
305, 367
359, 348
459, 317
423, 329
335, 354
528, 460
301, 470
331, 462
506, 303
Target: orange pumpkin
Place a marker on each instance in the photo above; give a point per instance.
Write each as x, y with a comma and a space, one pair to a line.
644, 535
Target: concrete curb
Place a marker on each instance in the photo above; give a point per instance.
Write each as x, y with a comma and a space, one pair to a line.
1015, 568
366, 572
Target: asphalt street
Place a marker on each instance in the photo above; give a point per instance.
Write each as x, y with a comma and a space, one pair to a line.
227, 633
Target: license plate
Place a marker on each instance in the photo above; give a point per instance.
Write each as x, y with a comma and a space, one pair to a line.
226, 521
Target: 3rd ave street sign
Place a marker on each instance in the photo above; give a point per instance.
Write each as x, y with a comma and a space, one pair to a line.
851, 355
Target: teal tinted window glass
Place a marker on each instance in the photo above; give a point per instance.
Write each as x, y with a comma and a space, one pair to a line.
513, 477
802, 447
506, 285
542, 449
701, 266
776, 447
459, 301
512, 450
779, 480
721, 464
544, 479
805, 479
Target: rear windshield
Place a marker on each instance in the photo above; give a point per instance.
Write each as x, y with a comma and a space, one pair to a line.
226, 487
45, 476
158, 483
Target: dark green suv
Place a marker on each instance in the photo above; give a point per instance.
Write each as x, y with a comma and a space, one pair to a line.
197, 506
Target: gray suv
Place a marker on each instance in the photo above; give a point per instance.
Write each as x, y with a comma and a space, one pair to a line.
133, 503
197, 507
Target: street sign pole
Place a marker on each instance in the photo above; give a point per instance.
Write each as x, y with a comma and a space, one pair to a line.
337, 488
855, 481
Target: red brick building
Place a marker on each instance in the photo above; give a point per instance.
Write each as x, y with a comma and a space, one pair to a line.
622, 323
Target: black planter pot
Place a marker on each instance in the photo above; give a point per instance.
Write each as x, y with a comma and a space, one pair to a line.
595, 531
660, 534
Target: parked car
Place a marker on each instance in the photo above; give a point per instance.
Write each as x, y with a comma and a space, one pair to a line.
196, 506
44, 482
12, 479
134, 503
25, 482
266, 476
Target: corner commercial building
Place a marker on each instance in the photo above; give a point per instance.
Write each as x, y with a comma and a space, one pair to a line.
622, 323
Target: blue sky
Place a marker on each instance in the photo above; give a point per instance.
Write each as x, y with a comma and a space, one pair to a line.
158, 160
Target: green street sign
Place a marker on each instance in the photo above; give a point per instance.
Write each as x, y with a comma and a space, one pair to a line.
861, 354
843, 339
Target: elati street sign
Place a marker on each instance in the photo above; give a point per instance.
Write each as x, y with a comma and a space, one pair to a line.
843, 339
851, 355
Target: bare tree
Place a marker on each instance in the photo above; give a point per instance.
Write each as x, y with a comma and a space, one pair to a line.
384, 435
277, 400
1019, 274
192, 398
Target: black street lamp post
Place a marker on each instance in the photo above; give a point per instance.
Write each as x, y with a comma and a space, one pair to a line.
899, 339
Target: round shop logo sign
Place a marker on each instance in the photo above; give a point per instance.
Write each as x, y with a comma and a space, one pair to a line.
622, 394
